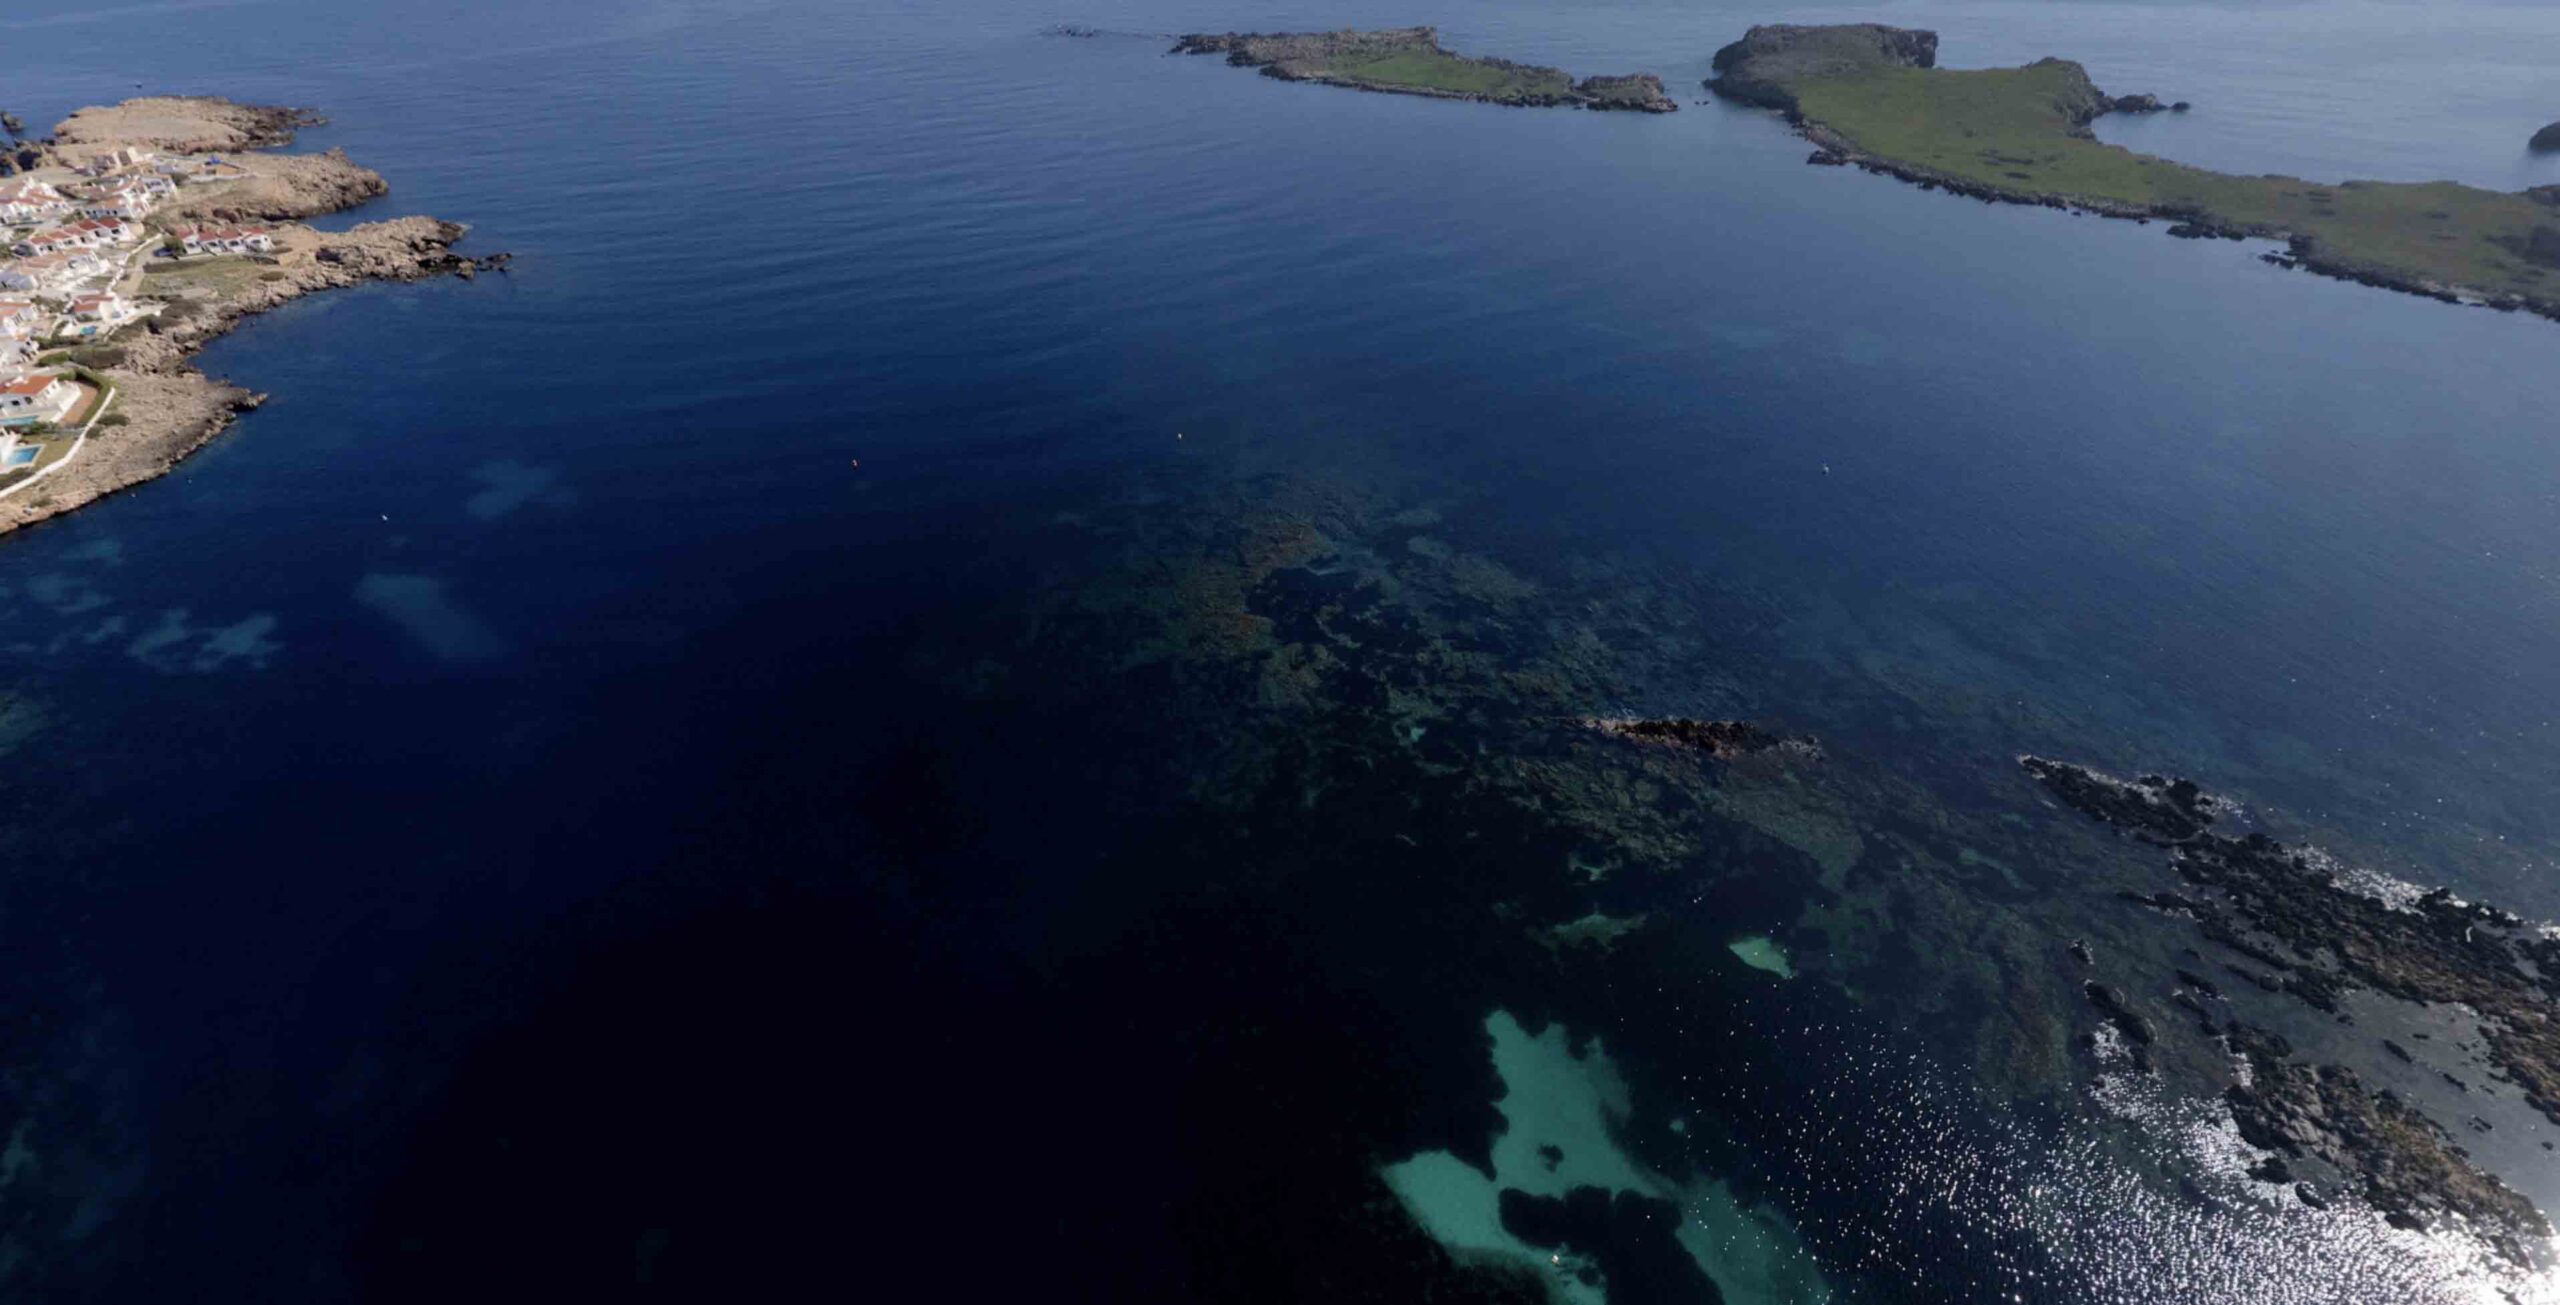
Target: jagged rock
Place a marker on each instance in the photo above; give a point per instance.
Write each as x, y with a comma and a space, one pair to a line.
1721, 739
2112, 1004
2409, 1167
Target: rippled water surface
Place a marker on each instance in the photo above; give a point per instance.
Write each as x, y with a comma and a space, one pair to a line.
963, 681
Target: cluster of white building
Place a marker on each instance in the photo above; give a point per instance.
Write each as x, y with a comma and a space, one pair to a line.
63, 244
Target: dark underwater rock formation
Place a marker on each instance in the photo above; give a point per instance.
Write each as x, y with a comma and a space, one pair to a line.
1721, 739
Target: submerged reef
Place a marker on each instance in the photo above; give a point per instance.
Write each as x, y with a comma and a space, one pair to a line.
1381, 722
1623, 1242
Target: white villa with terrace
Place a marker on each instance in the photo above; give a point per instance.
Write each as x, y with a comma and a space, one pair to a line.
100, 313
130, 204
52, 240
32, 399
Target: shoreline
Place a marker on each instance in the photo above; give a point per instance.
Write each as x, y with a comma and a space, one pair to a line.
168, 408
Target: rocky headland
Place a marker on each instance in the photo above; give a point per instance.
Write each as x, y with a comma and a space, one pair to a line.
1872, 96
1411, 61
2546, 141
164, 408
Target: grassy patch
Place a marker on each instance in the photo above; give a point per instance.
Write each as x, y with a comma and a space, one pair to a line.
219, 276
2016, 131
1430, 70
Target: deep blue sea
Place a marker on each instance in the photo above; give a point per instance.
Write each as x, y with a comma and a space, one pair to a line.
521, 813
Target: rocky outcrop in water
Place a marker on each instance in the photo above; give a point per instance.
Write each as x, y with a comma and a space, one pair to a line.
2546, 141
1636, 92
2318, 935
2287, 908
2140, 104
2406, 1165
1759, 68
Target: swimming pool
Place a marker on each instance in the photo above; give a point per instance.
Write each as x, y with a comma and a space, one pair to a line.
19, 457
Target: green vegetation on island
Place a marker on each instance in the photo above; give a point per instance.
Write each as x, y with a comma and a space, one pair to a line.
1410, 61
1872, 95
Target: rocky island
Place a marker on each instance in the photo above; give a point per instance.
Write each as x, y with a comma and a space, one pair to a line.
1873, 96
1411, 61
139, 232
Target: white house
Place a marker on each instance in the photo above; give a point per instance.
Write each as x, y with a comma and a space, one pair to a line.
101, 313
128, 156
31, 201
52, 240
17, 343
105, 231
226, 240
18, 315
133, 204
49, 271
31, 399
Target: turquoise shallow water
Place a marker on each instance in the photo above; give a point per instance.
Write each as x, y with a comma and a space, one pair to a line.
543, 620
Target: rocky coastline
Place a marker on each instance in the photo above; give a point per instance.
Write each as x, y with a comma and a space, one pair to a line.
168, 409
1773, 67
2308, 931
